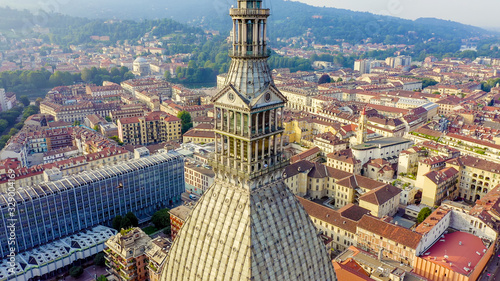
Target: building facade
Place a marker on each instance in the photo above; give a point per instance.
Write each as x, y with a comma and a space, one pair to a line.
54, 209
153, 128
125, 255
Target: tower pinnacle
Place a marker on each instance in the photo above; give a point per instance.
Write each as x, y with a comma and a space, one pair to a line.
248, 225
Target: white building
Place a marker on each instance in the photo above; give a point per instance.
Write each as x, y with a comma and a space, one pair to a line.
385, 148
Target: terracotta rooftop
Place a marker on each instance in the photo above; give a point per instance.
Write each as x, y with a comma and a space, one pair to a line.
432, 220
380, 195
328, 215
455, 251
390, 231
350, 270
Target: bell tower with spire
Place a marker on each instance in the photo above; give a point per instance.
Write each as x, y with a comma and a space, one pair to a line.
248, 225
361, 135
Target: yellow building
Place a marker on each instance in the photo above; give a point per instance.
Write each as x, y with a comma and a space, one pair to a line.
438, 186
155, 127
339, 225
476, 176
344, 161
382, 201
297, 130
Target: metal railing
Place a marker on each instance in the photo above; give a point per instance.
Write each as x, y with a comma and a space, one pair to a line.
249, 12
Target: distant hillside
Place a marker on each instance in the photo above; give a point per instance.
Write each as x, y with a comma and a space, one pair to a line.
289, 19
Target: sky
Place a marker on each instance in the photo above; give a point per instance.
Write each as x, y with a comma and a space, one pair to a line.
481, 13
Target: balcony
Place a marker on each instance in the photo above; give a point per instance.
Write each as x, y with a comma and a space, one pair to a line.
235, 12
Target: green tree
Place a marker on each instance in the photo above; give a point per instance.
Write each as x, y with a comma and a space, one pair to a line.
186, 123
423, 214
24, 100
96, 128
161, 218
3, 125
125, 223
108, 118
13, 131
76, 271
76, 123
102, 278
325, 78
117, 139
38, 101
132, 218
117, 222
99, 259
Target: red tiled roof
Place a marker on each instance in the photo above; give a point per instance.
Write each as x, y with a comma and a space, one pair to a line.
390, 231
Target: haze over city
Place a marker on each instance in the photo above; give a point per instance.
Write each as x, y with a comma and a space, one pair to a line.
207, 140
482, 13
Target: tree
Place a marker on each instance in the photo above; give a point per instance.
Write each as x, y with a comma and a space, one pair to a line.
325, 78
117, 139
125, 223
99, 259
102, 278
24, 100
76, 123
185, 120
132, 218
117, 222
423, 214
161, 218
96, 128
108, 118
76, 271
38, 101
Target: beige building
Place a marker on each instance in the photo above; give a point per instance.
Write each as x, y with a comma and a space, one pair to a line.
344, 161
391, 241
380, 170
198, 178
157, 251
198, 136
153, 128
476, 176
125, 255
381, 202
339, 225
439, 185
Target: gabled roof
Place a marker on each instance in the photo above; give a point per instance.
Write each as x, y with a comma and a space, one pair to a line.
380, 195
390, 231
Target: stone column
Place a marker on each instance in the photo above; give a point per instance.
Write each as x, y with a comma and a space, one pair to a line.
235, 130
256, 124
263, 122
270, 120
249, 125
235, 36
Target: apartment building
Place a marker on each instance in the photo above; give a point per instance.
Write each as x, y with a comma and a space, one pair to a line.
153, 128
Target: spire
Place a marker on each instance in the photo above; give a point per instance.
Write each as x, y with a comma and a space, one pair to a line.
248, 225
249, 72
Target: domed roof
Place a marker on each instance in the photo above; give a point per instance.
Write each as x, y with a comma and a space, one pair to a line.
140, 60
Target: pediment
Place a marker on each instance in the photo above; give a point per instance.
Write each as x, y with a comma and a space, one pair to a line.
230, 96
271, 95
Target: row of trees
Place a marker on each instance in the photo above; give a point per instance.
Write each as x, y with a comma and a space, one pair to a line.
18, 81
8, 119
125, 222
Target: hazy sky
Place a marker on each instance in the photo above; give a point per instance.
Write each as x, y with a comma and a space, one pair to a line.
482, 13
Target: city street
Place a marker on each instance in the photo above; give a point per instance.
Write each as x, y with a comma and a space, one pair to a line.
492, 270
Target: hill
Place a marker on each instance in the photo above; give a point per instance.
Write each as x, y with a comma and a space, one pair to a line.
289, 19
